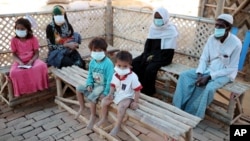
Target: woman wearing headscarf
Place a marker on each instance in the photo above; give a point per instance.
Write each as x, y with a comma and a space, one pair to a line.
62, 41
158, 50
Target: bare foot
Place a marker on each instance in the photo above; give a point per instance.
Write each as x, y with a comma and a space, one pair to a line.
101, 122
114, 131
91, 122
80, 112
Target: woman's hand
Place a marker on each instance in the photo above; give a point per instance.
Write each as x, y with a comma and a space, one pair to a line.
72, 45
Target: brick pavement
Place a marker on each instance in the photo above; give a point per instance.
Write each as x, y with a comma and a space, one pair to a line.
43, 121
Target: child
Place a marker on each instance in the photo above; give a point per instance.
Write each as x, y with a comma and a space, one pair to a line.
100, 73
28, 73
124, 91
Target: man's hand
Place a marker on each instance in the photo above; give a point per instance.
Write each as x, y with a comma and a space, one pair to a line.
199, 76
134, 105
203, 80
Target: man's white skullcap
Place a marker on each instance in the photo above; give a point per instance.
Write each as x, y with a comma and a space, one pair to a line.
226, 17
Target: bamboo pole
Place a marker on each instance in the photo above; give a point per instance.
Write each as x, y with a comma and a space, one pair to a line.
95, 128
240, 7
67, 100
201, 8
177, 124
219, 8
125, 129
170, 107
109, 22
158, 123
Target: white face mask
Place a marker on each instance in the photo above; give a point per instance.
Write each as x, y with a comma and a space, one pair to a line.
97, 55
21, 33
120, 71
59, 19
159, 22
219, 32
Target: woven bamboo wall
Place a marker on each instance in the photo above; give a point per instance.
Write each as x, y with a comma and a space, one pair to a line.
193, 33
241, 18
89, 23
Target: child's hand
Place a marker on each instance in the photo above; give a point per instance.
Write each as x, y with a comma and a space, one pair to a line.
89, 88
134, 105
101, 96
110, 96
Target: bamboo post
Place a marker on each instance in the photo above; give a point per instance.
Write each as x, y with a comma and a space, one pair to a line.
201, 8
240, 7
219, 8
109, 22
84, 119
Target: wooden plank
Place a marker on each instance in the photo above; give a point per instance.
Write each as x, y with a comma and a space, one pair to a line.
170, 108
176, 124
171, 114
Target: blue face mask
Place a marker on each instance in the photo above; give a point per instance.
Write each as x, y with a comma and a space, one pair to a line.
219, 32
159, 22
97, 55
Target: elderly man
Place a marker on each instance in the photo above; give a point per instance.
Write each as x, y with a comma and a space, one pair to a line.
218, 65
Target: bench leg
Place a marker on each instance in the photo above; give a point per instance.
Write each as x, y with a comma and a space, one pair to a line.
235, 105
189, 135
59, 88
10, 90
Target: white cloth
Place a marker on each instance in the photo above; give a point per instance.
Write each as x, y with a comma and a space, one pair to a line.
220, 59
125, 88
167, 33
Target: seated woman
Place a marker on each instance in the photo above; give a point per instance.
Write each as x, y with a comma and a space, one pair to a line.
28, 73
158, 51
62, 41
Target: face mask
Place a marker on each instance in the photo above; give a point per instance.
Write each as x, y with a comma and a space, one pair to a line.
59, 19
21, 33
158, 22
97, 55
121, 71
219, 32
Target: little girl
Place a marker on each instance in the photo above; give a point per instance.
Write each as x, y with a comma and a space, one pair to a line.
28, 73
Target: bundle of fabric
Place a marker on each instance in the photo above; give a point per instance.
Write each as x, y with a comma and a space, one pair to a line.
58, 1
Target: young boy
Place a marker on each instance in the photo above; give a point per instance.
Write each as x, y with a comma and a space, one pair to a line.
100, 73
124, 91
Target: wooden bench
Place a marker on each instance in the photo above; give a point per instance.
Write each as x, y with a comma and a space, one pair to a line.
228, 113
157, 116
7, 94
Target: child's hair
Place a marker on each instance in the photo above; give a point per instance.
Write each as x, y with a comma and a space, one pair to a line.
26, 23
124, 56
98, 43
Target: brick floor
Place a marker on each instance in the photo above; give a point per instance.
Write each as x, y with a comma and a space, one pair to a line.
44, 121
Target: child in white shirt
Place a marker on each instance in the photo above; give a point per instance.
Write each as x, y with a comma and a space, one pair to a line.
124, 90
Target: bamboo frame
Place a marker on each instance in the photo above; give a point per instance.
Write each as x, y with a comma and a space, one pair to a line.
152, 120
